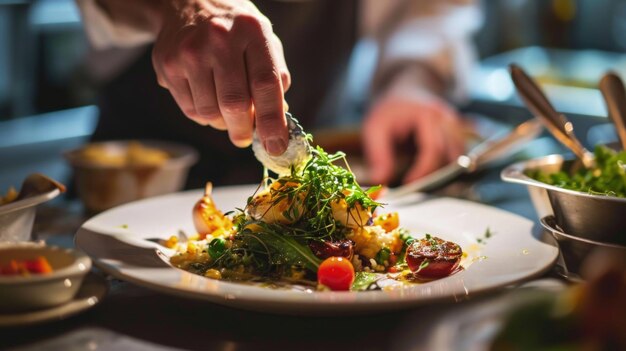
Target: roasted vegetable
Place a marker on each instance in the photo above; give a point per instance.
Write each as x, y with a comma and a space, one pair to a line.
432, 257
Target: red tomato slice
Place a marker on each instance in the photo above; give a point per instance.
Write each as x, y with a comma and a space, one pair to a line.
38, 265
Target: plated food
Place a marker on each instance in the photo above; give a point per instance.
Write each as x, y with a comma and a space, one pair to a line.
314, 227
124, 243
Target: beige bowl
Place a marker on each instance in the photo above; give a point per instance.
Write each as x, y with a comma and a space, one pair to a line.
37, 291
102, 185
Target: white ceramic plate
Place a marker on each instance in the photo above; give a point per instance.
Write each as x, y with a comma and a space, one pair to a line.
116, 240
91, 292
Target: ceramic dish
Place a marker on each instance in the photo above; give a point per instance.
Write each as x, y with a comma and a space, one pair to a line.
37, 291
17, 217
103, 182
119, 241
91, 292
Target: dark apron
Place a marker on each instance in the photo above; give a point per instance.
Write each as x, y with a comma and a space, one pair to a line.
318, 36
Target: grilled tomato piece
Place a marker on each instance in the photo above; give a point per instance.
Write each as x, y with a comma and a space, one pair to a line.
432, 257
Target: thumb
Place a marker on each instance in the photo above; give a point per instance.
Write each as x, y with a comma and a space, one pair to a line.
378, 148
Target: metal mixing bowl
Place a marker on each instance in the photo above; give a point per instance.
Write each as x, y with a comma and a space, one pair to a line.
595, 217
575, 250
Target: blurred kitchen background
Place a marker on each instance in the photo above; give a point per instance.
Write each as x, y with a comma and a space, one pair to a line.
47, 95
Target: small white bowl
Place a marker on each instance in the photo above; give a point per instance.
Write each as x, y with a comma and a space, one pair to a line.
38, 291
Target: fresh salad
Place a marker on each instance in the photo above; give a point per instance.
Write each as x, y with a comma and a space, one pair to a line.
314, 227
607, 178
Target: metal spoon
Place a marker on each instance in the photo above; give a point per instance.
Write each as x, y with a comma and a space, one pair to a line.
612, 89
560, 127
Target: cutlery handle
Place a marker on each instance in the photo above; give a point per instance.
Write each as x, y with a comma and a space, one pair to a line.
557, 123
498, 147
438, 177
614, 94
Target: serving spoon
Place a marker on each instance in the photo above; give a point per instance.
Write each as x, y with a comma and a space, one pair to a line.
560, 127
612, 89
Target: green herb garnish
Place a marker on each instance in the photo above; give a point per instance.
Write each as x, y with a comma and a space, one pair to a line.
273, 249
365, 281
607, 178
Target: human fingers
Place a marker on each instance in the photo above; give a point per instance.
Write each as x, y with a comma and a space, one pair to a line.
233, 97
455, 135
267, 95
430, 141
281, 64
378, 142
181, 92
453, 131
202, 86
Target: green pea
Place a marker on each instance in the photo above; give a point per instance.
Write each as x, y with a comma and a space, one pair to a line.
216, 248
383, 255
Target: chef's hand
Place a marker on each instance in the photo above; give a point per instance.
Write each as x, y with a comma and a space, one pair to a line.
225, 68
434, 126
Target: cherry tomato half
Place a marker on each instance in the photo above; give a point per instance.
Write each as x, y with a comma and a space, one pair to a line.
336, 273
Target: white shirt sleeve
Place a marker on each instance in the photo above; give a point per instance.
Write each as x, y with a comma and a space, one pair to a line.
434, 34
103, 33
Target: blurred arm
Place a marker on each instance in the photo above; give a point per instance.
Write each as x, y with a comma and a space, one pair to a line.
120, 23
425, 58
424, 42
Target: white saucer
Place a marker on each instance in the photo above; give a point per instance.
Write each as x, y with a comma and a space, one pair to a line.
91, 292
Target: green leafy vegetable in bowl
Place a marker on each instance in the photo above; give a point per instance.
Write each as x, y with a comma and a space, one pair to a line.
607, 178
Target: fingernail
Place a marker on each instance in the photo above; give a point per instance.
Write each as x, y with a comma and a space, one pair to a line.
275, 146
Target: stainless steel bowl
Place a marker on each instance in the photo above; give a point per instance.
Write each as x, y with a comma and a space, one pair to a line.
575, 250
595, 217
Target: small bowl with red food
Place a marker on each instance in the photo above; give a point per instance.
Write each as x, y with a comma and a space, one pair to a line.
36, 276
